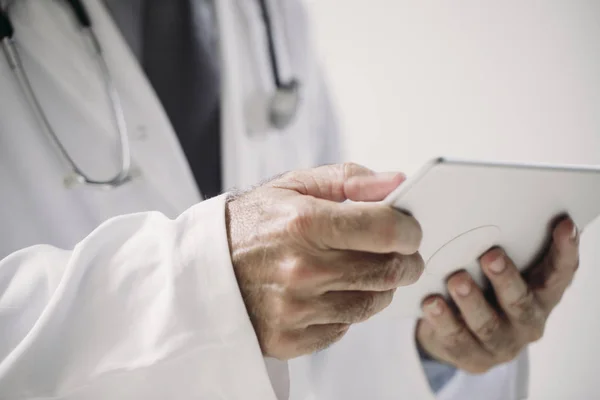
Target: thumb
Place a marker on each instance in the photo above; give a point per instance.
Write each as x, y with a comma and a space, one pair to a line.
341, 182
373, 188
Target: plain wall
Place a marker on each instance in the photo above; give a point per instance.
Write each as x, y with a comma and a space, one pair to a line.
508, 80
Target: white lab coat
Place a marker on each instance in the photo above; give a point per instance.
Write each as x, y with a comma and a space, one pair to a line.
130, 294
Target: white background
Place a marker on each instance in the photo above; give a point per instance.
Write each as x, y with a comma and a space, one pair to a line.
509, 80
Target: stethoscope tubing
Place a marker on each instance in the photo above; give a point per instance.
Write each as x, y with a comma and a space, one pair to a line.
78, 176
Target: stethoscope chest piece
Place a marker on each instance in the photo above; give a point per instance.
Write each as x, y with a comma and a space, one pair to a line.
285, 104
268, 112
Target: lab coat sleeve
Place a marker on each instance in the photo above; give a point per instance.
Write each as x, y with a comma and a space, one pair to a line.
144, 307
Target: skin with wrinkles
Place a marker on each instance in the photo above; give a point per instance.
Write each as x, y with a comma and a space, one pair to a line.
309, 264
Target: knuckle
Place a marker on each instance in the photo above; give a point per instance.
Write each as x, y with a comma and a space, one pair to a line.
458, 351
457, 338
294, 272
294, 176
366, 306
529, 316
406, 270
277, 314
301, 181
285, 312
393, 271
360, 221
301, 217
488, 331
343, 224
352, 168
524, 308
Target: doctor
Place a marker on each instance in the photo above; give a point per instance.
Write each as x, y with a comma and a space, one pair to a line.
142, 291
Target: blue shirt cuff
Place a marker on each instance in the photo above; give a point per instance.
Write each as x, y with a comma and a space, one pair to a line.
438, 374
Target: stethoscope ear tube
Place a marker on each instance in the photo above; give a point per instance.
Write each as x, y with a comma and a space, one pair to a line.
266, 16
76, 175
7, 30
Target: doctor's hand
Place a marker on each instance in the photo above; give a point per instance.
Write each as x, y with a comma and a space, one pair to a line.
483, 335
309, 264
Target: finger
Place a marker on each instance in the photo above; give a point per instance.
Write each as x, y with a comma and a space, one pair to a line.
439, 314
347, 307
514, 295
372, 228
451, 340
359, 271
554, 274
326, 182
372, 188
481, 318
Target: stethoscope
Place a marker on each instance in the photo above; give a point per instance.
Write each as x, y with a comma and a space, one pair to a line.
283, 105
284, 102
76, 175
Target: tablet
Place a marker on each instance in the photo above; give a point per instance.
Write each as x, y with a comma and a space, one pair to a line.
467, 207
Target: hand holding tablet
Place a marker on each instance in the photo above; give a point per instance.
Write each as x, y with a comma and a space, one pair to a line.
466, 208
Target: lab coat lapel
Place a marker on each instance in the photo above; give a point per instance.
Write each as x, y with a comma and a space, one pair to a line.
150, 129
239, 165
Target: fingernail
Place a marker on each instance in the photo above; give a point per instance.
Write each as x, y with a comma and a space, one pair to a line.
574, 232
463, 289
434, 308
498, 265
